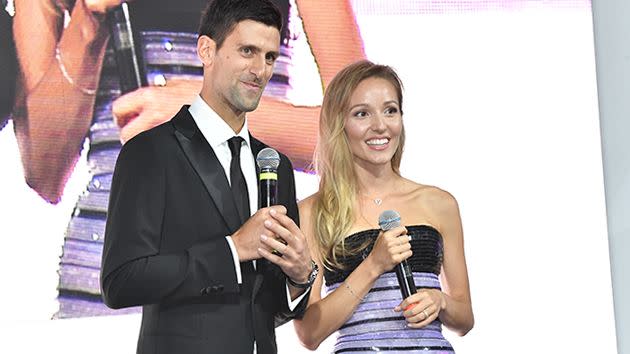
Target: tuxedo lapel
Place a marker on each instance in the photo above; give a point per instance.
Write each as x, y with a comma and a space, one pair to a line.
256, 146
204, 161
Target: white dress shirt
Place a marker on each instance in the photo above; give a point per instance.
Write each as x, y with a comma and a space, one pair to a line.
217, 132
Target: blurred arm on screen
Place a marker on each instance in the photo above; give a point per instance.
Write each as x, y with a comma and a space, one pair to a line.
333, 34
52, 114
335, 41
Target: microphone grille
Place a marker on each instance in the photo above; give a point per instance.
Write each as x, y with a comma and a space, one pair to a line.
388, 220
268, 158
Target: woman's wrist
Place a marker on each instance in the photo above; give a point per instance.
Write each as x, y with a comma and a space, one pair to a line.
443, 300
91, 23
372, 268
101, 7
82, 44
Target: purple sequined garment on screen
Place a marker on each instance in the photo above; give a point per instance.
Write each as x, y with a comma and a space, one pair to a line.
168, 55
374, 326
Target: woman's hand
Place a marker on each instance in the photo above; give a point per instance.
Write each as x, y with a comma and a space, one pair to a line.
391, 248
100, 7
151, 106
422, 307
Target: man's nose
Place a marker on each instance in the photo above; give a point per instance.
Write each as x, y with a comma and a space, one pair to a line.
257, 67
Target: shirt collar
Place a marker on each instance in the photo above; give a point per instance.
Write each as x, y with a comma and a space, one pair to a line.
212, 126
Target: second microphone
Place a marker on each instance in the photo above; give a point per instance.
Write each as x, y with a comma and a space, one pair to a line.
388, 220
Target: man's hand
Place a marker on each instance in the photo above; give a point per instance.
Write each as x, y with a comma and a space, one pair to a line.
295, 258
247, 238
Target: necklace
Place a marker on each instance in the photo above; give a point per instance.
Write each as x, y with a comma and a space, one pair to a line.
377, 201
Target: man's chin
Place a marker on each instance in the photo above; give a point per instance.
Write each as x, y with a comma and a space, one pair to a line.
250, 106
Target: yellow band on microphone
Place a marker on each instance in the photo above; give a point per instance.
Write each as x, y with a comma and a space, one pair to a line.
268, 175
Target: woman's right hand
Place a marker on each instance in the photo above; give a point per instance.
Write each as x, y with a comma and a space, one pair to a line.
102, 6
391, 248
150, 106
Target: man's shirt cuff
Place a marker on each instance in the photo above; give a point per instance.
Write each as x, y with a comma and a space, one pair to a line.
237, 264
293, 304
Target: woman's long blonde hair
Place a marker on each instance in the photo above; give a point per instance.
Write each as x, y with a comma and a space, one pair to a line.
333, 210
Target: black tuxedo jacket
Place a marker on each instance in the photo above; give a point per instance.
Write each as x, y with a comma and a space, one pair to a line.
170, 209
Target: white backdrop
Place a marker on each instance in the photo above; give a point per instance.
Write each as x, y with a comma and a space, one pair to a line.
500, 110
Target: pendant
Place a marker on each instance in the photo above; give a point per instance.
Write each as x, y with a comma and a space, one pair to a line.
378, 201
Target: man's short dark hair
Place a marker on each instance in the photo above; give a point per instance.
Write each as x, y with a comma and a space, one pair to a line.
221, 16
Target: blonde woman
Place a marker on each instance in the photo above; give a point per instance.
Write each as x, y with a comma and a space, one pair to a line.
360, 147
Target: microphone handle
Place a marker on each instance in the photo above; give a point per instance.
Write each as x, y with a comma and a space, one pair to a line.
130, 70
405, 279
267, 189
268, 194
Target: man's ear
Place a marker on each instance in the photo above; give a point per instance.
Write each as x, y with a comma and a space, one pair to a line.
206, 50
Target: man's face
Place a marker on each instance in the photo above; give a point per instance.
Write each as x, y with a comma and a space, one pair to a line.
243, 66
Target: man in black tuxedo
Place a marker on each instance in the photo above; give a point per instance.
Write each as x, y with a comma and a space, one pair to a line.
181, 237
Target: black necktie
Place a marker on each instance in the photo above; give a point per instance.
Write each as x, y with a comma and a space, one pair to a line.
241, 197
237, 180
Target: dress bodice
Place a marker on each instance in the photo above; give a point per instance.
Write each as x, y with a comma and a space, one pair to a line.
426, 245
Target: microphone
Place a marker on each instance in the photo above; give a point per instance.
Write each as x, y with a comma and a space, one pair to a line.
268, 161
130, 72
388, 220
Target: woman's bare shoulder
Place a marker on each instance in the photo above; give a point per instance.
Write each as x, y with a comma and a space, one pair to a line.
307, 203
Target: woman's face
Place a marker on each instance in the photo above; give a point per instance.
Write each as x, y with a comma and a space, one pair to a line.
374, 122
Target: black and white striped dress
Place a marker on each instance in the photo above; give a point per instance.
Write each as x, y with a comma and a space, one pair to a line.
375, 326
